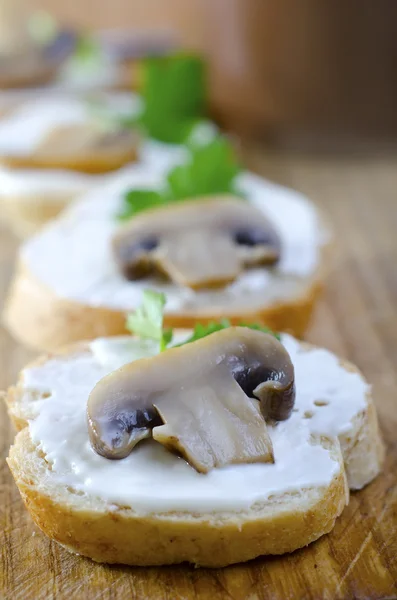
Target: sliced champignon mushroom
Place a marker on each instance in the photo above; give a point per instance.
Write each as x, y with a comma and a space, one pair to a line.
198, 243
199, 400
79, 138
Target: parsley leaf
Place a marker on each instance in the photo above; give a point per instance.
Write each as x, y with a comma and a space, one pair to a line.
168, 334
147, 323
210, 169
201, 331
136, 201
88, 50
263, 328
174, 93
147, 320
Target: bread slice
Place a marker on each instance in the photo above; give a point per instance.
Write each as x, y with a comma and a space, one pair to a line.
94, 160
41, 74
112, 530
39, 318
67, 285
117, 534
30, 198
60, 131
25, 214
41, 182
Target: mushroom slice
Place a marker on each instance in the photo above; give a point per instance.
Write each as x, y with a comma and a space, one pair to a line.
197, 243
80, 138
200, 400
199, 256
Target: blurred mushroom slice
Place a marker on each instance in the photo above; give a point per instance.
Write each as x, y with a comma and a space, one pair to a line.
199, 257
25, 61
197, 399
197, 243
80, 138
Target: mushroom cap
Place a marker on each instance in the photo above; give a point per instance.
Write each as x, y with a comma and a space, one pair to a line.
197, 243
65, 140
197, 399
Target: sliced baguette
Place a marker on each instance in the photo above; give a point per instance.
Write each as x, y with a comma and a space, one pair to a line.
94, 161
68, 276
38, 318
30, 198
118, 534
25, 214
41, 74
113, 533
61, 133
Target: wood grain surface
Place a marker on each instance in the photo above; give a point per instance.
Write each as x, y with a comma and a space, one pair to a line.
358, 319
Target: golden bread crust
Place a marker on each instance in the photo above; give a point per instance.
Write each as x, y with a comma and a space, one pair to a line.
25, 215
92, 162
39, 318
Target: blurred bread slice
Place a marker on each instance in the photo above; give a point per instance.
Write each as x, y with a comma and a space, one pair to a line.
39, 318
75, 148
28, 199
92, 527
68, 286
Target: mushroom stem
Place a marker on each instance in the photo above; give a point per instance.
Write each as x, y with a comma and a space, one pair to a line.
202, 257
197, 243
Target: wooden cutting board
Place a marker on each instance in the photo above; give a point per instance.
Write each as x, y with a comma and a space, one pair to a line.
358, 319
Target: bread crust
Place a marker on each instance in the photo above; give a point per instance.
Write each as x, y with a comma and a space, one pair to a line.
41, 75
362, 448
92, 162
52, 321
120, 535
26, 214
117, 534
38, 318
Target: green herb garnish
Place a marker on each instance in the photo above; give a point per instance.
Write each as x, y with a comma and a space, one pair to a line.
210, 169
136, 201
263, 328
173, 90
88, 50
201, 331
147, 321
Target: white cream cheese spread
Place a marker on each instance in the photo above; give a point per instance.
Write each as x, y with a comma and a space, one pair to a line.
53, 183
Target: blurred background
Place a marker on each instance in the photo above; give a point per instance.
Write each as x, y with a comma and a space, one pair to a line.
305, 74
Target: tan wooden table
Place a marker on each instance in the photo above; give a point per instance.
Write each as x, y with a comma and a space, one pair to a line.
358, 319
